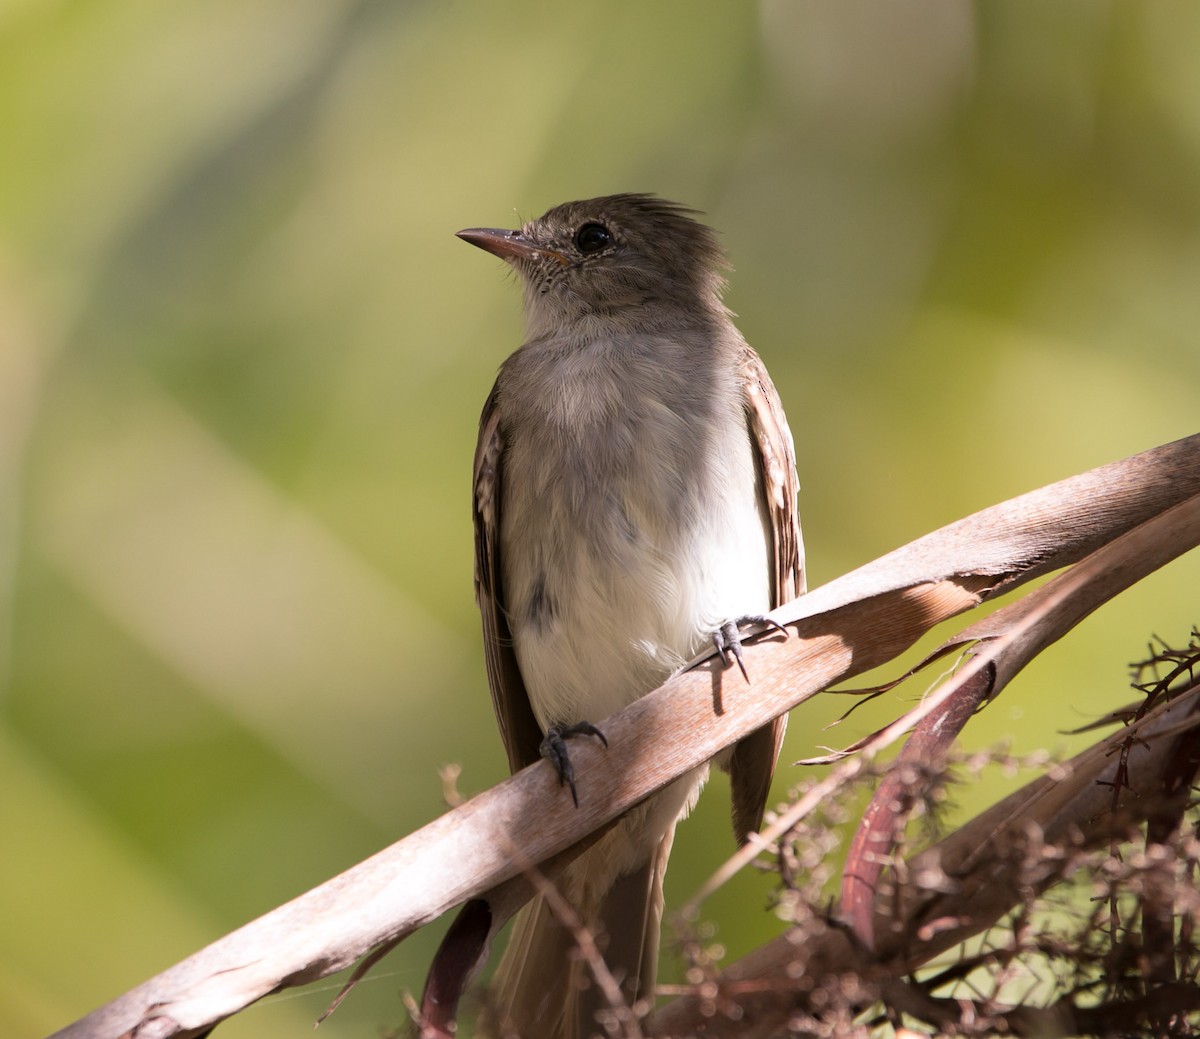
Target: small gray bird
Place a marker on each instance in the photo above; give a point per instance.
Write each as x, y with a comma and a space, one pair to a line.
635, 499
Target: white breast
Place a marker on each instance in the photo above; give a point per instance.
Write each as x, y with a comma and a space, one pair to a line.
631, 526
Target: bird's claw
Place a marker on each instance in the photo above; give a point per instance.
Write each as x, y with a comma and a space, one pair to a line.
554, 750
728, 639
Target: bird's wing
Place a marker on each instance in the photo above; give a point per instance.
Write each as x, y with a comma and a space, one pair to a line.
753, 761
518, 727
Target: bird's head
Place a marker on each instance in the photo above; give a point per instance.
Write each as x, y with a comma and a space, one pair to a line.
620, 259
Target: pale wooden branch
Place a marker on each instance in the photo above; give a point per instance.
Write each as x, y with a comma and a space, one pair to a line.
841, 629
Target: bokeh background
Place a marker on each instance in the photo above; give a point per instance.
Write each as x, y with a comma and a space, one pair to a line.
242, 358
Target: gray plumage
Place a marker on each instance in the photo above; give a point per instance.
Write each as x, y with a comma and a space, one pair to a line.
634, 490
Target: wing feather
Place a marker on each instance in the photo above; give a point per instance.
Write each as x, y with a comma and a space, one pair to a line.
518, 727
752, 764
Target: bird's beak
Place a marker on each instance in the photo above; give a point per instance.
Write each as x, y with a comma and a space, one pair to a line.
508, 245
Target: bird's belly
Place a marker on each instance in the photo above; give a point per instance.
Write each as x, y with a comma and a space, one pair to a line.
608, 615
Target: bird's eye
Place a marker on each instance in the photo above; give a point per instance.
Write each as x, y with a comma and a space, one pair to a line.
592, 238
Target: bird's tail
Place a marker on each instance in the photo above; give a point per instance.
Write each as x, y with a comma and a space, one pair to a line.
545, 989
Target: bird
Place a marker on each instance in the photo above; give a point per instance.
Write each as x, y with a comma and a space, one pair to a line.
634, 501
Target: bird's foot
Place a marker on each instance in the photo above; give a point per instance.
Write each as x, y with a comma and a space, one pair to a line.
728, 639
554, 750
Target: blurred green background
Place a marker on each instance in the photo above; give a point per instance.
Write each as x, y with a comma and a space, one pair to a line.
242, 358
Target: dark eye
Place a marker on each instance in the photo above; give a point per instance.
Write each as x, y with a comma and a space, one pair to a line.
592, 238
